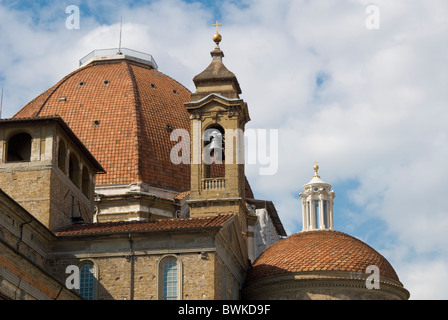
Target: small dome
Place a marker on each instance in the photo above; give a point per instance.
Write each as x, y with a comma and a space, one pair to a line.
321, 265
321, 250
316, 181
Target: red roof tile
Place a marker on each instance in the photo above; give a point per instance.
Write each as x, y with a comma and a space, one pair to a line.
321, 250
182, 195
125, 123
146, 226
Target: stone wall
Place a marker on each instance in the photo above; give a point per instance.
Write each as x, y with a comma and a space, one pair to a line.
23, 245
30, 188
20, 279
38, 183
46, 194
137, 277
226, 286
21, 231
311, 286
67, 202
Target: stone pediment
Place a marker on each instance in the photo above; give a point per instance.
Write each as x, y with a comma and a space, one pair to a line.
215, 103
212, 98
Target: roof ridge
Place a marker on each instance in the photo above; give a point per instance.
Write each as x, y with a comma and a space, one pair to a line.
150, 221
175, 81
144, 226
137, 117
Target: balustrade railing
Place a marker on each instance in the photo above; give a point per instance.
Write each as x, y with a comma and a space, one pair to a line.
214, 183
119, 52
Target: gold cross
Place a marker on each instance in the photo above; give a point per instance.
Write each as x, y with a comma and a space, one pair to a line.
216, 25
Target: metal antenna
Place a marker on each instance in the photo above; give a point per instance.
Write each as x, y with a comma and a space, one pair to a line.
119, 43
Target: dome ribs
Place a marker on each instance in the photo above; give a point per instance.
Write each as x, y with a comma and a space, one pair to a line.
162, 111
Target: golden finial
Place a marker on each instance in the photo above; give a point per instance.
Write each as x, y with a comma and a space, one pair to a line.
316, 169
217, 37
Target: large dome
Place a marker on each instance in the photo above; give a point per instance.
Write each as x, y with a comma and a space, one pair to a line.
124, 112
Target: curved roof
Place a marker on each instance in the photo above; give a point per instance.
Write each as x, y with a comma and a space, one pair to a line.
316, 181
321, 250
124, 113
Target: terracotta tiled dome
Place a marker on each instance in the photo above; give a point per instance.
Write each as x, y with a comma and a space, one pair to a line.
322, 250
124, 113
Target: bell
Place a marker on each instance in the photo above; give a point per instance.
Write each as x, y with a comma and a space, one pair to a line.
215, 138
216, 143
215, 148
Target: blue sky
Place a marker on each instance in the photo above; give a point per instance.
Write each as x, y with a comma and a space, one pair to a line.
368, 105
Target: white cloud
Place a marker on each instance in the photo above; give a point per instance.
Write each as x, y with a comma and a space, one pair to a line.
379, 117
425, 278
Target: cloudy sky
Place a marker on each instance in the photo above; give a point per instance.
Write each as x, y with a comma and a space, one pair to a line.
367, 101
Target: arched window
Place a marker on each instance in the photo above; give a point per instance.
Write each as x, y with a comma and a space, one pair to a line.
170, 279
87, 280
214, 144
73, 170
62, 155
19, 148
85, 181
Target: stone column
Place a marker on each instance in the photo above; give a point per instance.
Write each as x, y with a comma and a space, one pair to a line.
312, 213
330, 213
321, 213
